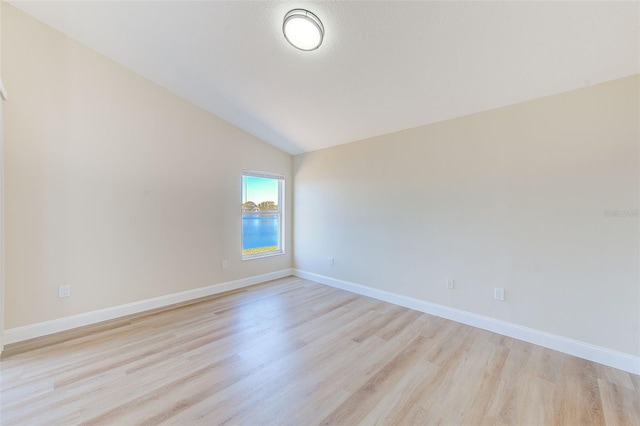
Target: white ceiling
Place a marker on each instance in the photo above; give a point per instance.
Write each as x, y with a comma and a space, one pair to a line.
383, 66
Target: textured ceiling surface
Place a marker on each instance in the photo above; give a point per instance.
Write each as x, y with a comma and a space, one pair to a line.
383, 66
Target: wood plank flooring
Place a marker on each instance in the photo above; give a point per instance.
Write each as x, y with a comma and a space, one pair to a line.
294, 352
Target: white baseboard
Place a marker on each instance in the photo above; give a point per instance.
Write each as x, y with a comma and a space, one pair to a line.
577, 348
27, 332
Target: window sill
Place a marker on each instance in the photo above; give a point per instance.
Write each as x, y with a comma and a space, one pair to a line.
261, 255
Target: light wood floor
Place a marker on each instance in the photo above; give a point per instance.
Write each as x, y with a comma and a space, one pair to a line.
299, 353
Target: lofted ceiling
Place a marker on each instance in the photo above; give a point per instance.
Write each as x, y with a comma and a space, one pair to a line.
384, 66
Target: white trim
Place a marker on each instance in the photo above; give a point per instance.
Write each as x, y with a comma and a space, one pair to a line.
246, 257
19, 334
260, 174
573, 347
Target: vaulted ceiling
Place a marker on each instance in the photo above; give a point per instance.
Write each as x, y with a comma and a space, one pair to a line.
383, 66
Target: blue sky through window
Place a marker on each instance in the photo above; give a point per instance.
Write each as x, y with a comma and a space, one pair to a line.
258, 189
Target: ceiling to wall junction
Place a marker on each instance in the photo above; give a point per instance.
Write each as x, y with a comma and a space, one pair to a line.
383, 66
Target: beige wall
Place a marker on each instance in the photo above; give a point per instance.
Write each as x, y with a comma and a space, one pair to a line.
126, 192
113, 185
512, 198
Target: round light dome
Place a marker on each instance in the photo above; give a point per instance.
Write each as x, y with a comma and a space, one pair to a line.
303, 29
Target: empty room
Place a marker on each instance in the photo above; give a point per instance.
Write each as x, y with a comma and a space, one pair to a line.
320, 212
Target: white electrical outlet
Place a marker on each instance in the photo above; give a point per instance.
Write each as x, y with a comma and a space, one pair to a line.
331, 261
64, 291
498, 293
225, 264
451, 283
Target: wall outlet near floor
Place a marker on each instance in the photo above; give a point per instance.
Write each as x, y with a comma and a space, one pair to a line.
498, 293
331, 261
64, 291
225, 264
451, 283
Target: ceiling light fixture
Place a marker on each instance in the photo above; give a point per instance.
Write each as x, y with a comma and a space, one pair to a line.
303, 29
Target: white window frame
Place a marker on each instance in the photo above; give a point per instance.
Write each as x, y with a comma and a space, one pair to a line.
281, 214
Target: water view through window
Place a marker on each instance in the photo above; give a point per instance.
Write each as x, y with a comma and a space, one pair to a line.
261, 215
259, 232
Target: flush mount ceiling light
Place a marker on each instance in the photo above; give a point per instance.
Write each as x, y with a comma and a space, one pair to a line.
303, 29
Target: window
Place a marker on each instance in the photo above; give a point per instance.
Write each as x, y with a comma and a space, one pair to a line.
262, 214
